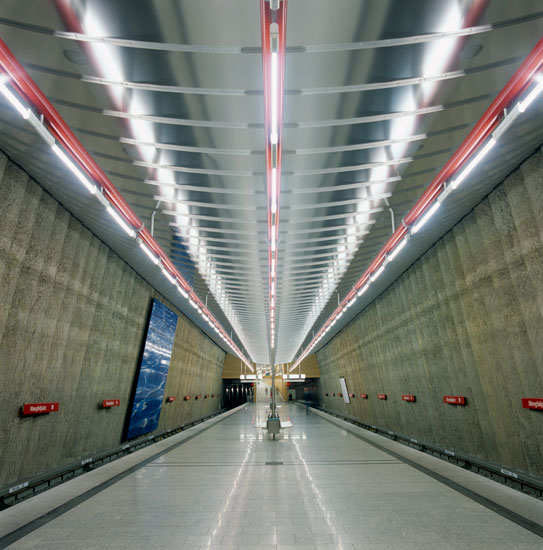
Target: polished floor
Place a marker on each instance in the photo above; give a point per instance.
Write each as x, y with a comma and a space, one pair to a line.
315, 487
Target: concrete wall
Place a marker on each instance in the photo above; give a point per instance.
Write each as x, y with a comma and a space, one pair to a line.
72, 320
465, 319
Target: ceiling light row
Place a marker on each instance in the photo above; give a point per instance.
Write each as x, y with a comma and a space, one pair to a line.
167, 268
396, 245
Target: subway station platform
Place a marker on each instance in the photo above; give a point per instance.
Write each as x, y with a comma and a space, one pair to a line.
319, 486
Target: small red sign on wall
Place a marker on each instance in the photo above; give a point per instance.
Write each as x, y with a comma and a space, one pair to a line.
454, 399
535, 403
206, 396
39, 408
408, 398
187, 397
108, 403
198, 397
170, 398
381, 396
364, 395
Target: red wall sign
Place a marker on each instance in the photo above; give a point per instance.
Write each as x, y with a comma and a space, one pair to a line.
364, 395
198, 397
381, 396
170, 398
454, 399
535, 403
39, 408
187, 397
206, 395
408, 398
107, 403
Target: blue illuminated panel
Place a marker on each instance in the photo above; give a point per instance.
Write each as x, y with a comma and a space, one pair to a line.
153, 371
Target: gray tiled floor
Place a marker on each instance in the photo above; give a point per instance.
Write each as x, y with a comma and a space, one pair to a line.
333, 490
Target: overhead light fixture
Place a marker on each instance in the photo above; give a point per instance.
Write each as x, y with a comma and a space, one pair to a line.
274, 190
273, 229
363, 289
182, 291
523, 105
20, 108
425, 217
149, 254
91, 188
128, 230
193, 303
378, 272
168, 275
397, 250
473, 163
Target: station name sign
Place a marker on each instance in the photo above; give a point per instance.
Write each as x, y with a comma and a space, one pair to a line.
454, 399
39, 408
535, 403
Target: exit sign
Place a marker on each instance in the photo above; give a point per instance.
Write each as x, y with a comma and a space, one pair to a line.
454, 399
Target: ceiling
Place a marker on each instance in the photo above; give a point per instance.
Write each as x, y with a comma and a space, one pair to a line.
167, 96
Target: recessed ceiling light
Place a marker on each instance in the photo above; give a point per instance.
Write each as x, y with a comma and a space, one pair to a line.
75, 56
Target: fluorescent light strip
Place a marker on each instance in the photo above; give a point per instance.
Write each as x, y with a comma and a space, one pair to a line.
129, 231
274, 190
168, 275
151, 256
183, 292
473, 163
274, 136
363, 289
425, 218
91, 188
523, 105
378, 272
21, 109
397, 250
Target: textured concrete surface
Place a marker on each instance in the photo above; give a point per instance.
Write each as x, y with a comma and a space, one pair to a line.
72, 319
465, 319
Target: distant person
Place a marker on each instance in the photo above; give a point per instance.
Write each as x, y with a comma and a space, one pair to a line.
290, 397
266, 392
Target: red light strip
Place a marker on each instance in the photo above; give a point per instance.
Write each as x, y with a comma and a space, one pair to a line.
20, 80
274, 25
518, 83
